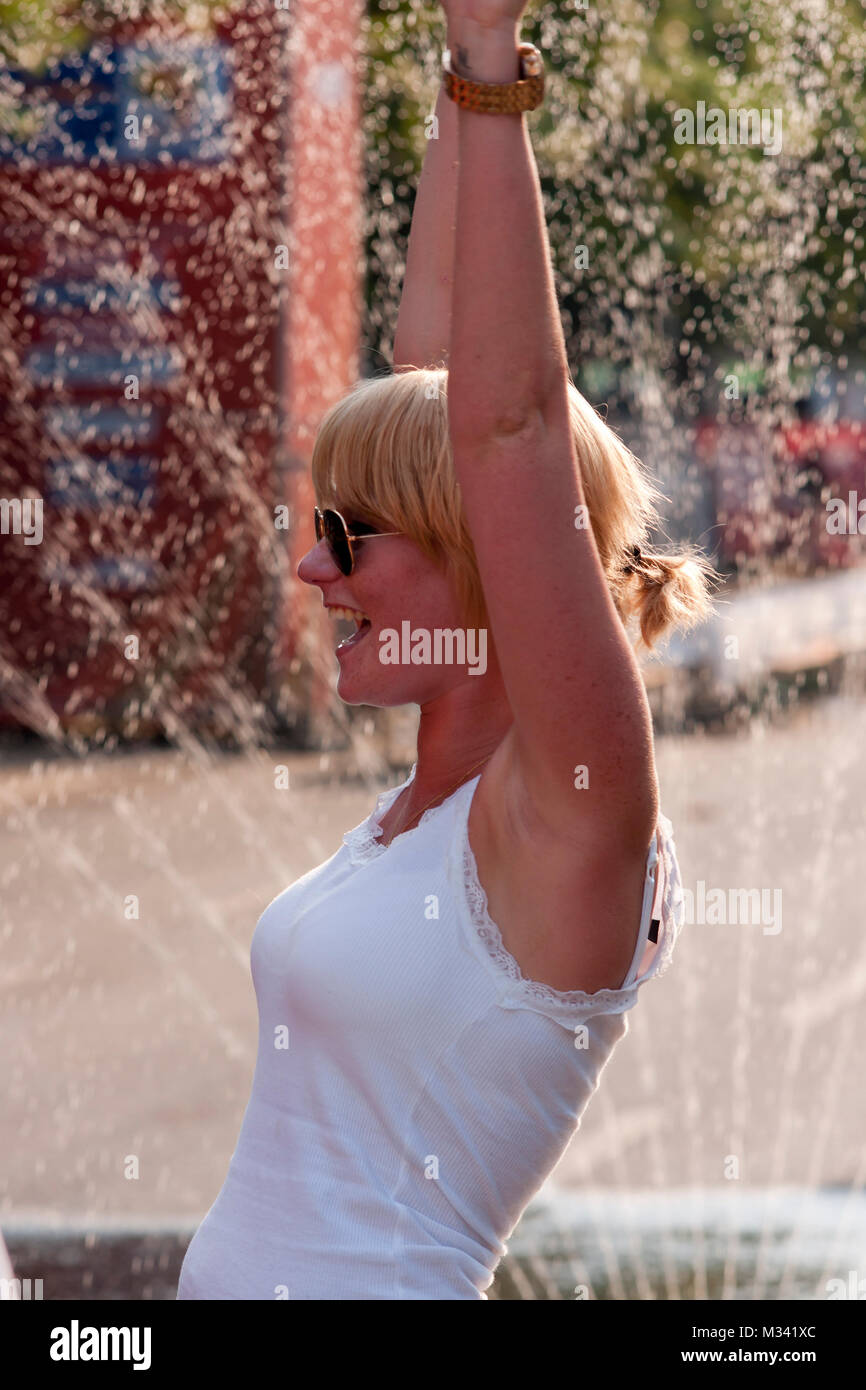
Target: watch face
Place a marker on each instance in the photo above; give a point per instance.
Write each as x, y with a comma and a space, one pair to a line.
532, 64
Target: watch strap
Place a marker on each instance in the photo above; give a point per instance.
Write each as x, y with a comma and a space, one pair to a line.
525, 94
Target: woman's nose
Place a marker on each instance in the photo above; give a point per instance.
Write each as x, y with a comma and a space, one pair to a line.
318, 564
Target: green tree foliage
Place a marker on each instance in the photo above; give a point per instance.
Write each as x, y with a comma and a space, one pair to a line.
697, 254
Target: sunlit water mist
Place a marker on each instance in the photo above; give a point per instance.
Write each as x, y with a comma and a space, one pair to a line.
701, 265
743, 1049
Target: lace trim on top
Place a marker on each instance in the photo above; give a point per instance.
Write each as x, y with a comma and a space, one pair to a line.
363, 845
362, 841
545, 996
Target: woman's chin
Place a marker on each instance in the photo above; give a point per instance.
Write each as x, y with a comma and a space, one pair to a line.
354, 684
359, 688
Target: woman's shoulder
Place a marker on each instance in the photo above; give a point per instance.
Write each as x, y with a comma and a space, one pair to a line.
569, 916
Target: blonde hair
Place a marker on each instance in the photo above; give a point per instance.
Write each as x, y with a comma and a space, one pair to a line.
384, 451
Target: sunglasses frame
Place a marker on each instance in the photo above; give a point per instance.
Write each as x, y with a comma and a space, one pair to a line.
345, 537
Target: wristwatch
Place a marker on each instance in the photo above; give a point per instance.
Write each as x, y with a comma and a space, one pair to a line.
524, 95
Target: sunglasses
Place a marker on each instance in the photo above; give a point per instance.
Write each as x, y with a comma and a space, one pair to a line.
335, 531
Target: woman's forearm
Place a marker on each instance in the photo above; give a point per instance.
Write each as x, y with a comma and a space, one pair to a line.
508, 360
423, 325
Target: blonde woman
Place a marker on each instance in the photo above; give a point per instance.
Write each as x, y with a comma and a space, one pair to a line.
437, 1001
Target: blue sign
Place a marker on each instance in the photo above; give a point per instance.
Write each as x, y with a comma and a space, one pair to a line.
89, 484
149, 102
75, 366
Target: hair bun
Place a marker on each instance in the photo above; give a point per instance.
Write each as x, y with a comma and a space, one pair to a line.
636, 561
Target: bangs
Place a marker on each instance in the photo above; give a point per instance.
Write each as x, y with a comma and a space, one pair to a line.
382, 455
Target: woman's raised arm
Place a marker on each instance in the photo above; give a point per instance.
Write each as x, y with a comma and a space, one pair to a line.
571, 677
424, 321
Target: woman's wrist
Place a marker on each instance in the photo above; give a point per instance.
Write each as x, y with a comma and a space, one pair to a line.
485, 54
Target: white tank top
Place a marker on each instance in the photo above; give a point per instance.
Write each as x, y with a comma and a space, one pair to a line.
412, 1090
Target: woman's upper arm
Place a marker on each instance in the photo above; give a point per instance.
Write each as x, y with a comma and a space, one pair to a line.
582, 728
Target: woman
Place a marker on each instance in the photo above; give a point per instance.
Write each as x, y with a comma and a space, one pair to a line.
438, 999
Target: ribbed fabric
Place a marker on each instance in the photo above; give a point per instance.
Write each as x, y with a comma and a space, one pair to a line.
427, 1089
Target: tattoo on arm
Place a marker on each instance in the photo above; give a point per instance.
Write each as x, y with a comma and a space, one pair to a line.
463, 60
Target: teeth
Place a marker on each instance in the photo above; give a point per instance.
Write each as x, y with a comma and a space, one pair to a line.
348, 614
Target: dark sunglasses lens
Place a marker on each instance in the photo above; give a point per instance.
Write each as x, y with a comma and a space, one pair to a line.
338, 541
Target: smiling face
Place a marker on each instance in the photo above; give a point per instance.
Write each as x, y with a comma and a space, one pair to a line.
393, 581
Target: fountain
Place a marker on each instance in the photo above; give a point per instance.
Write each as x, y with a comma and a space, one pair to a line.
173, 751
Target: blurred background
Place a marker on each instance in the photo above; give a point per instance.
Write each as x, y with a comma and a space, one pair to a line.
205, 211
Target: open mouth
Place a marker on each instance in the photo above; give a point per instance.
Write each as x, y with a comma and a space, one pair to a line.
360, 621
